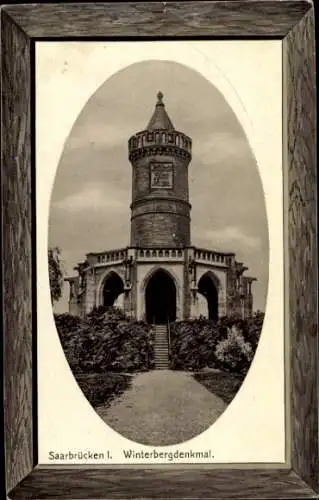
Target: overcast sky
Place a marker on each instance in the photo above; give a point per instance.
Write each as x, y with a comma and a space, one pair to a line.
92, 192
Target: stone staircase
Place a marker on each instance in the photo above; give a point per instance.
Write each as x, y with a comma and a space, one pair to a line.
161, 347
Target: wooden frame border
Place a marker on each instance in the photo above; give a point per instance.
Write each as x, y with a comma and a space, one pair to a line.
21, 26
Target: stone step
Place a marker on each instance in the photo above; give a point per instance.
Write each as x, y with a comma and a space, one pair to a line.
161, 354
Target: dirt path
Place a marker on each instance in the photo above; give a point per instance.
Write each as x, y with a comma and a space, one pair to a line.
163, 407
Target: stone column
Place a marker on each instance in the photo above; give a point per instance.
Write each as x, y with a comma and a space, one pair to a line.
193, 294
89, 293
222, 306
128, 262
134, 285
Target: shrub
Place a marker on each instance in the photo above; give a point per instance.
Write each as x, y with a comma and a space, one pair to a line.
253, 328
193, 343
234, 353
68, 328
66, 323
124, 346
106, 314
105, 340
201, 343
101, 389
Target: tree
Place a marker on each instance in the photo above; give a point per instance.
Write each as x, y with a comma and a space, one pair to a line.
55, 273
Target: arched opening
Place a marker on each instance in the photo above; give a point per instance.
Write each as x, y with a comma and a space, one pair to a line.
160, 298
113, 287
207, 288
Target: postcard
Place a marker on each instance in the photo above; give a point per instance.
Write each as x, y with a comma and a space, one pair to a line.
160, 252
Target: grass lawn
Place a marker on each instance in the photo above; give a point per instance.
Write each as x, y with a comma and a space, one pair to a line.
223, 384
101, 388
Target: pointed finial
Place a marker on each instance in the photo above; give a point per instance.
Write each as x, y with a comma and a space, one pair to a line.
160, 97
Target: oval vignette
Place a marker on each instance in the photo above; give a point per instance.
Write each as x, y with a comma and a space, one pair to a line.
161, 321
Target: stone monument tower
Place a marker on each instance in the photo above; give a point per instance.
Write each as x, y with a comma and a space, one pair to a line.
160, 156
161, 277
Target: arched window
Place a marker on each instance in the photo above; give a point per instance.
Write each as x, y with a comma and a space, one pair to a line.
208, 289
113, 287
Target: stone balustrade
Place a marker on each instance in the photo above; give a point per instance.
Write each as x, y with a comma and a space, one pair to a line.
160, 138
112, 256
212, 256
160, 253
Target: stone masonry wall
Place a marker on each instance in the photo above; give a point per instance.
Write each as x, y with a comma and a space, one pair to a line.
160, 217
160, 230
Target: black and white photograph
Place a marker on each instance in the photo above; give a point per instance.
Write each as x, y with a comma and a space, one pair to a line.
159, 241
158, 252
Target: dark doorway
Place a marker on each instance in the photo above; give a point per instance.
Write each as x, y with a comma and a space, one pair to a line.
113, 287
160, 297
207, 288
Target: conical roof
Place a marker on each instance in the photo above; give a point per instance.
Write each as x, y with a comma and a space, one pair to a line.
160, 119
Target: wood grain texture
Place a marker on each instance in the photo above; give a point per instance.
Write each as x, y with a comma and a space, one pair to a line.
240, 18
135, 19
16, 250
161, 484
299, 50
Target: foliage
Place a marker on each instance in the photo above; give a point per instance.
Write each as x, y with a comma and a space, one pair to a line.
254, 327
193, 343
225, 385
55, 273
228, 344
66, 326
101, 389
106, 314
234, 352
105, 340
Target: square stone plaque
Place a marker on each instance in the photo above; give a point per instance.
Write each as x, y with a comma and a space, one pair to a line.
162, 176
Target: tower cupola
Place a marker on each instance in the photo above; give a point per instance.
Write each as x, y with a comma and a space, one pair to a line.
160, 207
160, 119
159, 133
